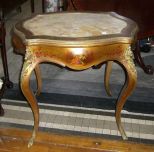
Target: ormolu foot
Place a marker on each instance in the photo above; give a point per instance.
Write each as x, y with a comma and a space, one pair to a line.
31, 141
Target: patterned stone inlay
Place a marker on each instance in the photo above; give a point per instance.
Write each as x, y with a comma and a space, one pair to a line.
75, 24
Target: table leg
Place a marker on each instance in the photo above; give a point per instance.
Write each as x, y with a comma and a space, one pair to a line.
6, 81
28, 67
39, 80
147, 68
32, 6
107, 74
130, 83
43, 6
1, 110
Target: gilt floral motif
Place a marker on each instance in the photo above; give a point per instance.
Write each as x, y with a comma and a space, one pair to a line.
129, 59
30, 58
79, 60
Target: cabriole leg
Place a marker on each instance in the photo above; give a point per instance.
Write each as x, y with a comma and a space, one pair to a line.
107, 74
28, 67
38, 79
130, 83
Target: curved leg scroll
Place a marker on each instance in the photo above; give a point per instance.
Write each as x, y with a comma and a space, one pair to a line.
28, 67
131, 77
39, 80
108, 69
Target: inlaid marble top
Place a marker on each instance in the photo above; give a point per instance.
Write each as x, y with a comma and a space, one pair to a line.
76, 25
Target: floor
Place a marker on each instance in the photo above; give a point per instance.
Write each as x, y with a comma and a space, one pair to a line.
16, 140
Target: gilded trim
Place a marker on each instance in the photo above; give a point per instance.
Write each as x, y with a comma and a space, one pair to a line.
129, 59
29, 60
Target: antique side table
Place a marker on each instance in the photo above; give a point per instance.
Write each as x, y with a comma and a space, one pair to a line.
78, 41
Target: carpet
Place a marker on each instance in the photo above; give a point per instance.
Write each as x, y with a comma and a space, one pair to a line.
149, 60
88, 95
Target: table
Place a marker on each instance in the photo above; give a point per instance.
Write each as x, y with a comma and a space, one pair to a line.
78, 41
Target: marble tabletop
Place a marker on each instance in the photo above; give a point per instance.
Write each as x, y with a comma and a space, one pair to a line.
75, 24
79, 26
